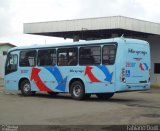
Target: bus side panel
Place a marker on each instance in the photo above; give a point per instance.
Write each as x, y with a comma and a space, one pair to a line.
99, 79
11, 81
25, 73
53, 78
93, 77
48, 79
57, 78
73, 73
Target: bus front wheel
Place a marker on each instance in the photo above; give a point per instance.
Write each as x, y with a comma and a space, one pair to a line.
26, 88
77, 90
104, 96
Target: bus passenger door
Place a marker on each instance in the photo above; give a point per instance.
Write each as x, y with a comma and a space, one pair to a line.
11, 73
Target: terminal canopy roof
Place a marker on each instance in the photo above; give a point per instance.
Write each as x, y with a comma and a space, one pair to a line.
94, 28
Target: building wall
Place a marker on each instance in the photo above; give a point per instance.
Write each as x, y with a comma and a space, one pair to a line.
155, 57
3, 58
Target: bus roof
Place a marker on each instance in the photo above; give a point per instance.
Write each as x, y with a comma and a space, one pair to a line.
80, 43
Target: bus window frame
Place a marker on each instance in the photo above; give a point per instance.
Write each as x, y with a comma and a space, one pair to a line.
67, 51
94, 45
112, 44
7, 71
35, 60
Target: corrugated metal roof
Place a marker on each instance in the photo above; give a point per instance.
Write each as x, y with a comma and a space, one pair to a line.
115, 22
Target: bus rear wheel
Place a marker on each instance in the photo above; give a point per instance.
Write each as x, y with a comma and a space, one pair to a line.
26, 88
77, 90
104, 96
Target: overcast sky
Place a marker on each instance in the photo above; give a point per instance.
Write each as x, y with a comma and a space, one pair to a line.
13, 13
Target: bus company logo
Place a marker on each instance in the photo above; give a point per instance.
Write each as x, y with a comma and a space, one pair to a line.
132, 51
23, 71
143, 66
128, 64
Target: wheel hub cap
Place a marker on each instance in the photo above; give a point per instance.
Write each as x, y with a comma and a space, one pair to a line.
26, 87
77, 90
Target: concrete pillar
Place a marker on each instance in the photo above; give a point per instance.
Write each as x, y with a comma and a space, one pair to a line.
75, 38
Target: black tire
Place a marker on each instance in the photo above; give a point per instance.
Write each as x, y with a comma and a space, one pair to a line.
77, 90
53, 93
26, 88
87, 96
104, 96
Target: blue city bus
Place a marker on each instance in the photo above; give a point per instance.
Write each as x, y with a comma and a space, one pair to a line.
101, 67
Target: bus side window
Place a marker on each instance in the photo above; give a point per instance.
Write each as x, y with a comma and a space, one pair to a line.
27, 58
47, 57
90, 55
67, 56
109, 54
72, 57
62, 59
